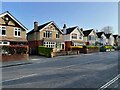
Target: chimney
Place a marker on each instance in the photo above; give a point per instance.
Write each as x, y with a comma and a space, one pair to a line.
35, 26
81, 29
64, 28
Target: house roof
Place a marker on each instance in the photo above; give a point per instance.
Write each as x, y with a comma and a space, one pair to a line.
12, 17
40, 27
107, 35
69, 30
99, 34
115, 36
87, 32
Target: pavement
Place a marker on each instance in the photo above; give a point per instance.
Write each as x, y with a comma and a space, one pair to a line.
35, 59
74, 71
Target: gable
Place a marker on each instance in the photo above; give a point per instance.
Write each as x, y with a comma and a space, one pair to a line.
77, 31
51, 27
92, 33
11, 20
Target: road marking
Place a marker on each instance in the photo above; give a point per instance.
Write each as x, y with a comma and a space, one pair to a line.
110, 82
19, 78
66, 66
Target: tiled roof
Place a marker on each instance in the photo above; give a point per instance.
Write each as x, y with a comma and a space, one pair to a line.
107, 35
69, 30
99, 34
115, 36
87, 32
39, 27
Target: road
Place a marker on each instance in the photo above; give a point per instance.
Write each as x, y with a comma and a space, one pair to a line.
76, 71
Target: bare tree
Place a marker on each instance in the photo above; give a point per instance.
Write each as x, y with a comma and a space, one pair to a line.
107, 29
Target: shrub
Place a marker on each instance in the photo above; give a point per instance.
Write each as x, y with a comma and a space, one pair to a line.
76, 47
104, 48
14, 49
42, 50
91, 47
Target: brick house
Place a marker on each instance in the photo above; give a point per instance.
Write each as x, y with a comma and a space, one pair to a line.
72, 36
12, 32
90, 37
48, 34
13, 42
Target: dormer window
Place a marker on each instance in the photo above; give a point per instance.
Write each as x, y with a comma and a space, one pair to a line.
17, 32
2, 30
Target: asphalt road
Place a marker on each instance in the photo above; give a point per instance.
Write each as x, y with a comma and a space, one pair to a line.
76, 71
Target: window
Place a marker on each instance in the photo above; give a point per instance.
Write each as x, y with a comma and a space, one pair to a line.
3, 30
49, 44
47, 34
17, 32
4, 43
74, 36
57, 35
89, 37
80, 37
92, 38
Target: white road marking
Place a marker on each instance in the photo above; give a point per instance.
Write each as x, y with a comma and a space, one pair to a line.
110, 82
66, 66
19, 78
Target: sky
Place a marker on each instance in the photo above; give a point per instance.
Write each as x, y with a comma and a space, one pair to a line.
86, 15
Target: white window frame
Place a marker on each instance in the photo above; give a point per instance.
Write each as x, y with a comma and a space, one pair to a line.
57, 35
2, 29
49, 44
74, 35
2, 43
17, 29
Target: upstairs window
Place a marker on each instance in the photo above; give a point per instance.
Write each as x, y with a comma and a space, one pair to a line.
80, 37
74, 36
47, 34
57, 35
3, 30
17, 32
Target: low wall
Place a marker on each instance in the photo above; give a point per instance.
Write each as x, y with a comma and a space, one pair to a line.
89, 50
62, 53
14, 57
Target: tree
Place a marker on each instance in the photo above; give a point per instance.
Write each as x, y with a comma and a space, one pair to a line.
107, 29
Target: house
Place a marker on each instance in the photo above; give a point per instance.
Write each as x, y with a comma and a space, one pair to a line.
13, 42
90, 37
48, 34
72, 36
109, 39
116, 37
12, 32
101, 38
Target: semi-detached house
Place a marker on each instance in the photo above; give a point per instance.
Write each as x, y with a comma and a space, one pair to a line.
48, 34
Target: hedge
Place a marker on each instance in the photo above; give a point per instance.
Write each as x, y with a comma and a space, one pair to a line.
42, 50
104, 48
14, 49
91, 47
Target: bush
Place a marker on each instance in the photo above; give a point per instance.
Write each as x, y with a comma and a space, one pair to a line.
104, 48
42, 50
91, 47
14, 49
